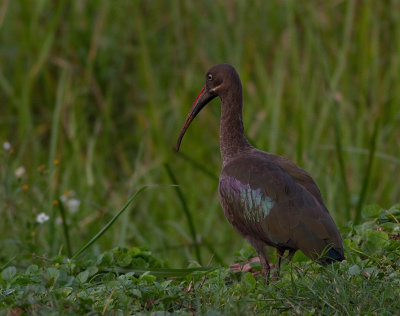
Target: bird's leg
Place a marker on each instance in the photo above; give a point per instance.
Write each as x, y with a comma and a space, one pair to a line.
288, 258
291, 254
265, 268
279, 254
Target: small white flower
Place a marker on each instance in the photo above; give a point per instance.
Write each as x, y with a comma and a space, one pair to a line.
42, 217
19, 172
73, 205
6, 146
64, 198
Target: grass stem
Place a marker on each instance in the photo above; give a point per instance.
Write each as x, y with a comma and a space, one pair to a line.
110, 223
65, 226
367, 174
186, 211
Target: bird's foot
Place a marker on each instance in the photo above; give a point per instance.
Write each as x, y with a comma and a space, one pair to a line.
247, 266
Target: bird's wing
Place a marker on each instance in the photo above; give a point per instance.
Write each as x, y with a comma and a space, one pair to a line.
261, 198
300, 176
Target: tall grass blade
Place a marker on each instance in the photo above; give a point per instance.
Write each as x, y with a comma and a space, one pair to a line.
110, 223
340, 157
367, 173
9, 261
163, 272
3, 10
185, 211
65, 227
54, 139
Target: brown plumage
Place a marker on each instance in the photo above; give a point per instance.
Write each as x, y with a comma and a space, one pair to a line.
266, 198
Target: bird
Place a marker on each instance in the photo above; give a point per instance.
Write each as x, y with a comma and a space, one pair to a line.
267, 199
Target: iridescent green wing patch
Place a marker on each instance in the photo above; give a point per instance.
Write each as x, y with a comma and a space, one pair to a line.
253, 204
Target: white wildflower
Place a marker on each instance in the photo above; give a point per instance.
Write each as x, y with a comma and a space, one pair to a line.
19, 172
73, 205
6, 146
42, 217
64, 198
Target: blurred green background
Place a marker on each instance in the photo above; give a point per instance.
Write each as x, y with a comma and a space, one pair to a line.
93, 95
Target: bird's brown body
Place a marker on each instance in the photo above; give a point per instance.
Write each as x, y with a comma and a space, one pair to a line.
266, 198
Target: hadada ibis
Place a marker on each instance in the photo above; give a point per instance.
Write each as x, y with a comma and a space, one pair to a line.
268, 199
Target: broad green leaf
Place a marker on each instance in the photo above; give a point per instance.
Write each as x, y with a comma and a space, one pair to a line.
391, 227
376, 241
124, 260
248, 281
92, 270
354, 270
32, 269
64, 291
350, 243
83, 276
147, 277
113, 285
391, 215
105, 259
8, 273
136, 292
371, 211
395, 209
51, 275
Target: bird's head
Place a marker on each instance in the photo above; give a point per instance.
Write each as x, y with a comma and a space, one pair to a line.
219, 79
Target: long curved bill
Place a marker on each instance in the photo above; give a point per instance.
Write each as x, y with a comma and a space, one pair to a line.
202, 99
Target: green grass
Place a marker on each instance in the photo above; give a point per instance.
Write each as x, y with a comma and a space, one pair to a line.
124, 281
93, 94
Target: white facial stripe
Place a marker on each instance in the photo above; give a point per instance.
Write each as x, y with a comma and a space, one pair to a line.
215, 88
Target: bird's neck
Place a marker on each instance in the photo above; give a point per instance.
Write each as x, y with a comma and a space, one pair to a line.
232, 138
